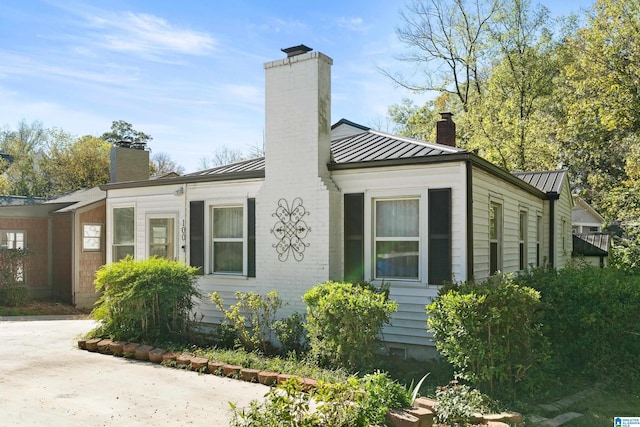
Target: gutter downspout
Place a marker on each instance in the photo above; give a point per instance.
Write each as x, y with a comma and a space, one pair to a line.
552, 227
469, 183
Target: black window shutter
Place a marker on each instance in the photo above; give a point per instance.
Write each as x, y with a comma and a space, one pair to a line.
439, 236
251, 233
196, 235
354, 237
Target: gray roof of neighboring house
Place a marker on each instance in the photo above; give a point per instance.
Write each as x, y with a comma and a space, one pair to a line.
592, 244
79, 198
20, 200
545, 181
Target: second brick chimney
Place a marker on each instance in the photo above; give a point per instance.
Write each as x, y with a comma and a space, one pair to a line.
446, 130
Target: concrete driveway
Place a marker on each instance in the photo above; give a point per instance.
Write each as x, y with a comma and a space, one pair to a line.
45, 380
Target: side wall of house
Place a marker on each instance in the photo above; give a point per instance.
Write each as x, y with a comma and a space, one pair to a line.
61, 254
488, 189
564, 240
408, 333
87, 262
37, 238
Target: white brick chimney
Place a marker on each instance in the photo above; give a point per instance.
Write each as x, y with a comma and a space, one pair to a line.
298, 209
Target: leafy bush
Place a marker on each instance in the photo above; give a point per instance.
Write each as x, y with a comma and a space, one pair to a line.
489, 332
291, 334
590, 317
329, 404
351, 402
14, 296
457, 403
252, 317
343, 321
381, 394
145, 300
625, 249
13, 264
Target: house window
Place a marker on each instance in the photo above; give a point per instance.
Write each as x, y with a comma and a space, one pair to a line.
564, 236
123, 233
91, 237
495, 238
397, 238
522, 240
12, 239
161, 238
538, 240
227, 246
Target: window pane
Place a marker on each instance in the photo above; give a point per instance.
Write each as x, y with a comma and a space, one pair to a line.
120, 252
91, 234
397, 259
227, 257
161, 237
523, 225
123, 226
91, 243
493, 222
397, 218
227, 222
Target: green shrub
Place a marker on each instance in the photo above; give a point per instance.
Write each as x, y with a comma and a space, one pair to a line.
381, 394
14, 296
343, 321
457, 403
145, 300
329, 404
252, 317
291, 333
591, 318
13, 264
490, 333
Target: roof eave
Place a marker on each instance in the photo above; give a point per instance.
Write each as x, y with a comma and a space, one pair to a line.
231, 176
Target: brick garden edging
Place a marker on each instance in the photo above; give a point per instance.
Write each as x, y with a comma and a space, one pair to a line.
421, 415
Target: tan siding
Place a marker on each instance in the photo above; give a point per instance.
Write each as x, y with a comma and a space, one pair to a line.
37, 274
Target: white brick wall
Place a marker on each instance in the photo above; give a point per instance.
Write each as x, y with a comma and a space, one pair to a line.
298, 112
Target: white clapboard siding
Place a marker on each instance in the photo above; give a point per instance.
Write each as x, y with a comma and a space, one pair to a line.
488, 188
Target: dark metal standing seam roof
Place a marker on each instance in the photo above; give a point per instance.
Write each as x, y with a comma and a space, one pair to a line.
368, 146
595, 244
546, 181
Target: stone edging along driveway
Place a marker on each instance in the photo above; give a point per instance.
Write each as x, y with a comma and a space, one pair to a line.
422, 415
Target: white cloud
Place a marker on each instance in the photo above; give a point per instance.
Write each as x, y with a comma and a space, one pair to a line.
351, 24
131, 32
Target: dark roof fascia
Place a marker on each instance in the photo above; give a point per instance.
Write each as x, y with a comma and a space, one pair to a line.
446, 158
349, 123
231, 176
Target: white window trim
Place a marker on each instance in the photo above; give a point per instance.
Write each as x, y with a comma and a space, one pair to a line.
370, 196
100, 237
524, 239
208, 230
161, 215
110, 221
540, 238
16, 231
500, 232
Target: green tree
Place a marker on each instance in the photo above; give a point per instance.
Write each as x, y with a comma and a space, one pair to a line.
25, 145
123, 134
601, 99
71, 165
161, 163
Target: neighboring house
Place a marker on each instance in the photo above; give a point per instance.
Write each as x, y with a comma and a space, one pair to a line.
66, 234
584, 218
343, 202
589, 242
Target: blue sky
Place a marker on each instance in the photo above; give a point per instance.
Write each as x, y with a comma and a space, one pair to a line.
190, 73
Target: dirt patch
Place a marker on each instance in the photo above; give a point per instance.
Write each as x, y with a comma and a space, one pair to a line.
42, 307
